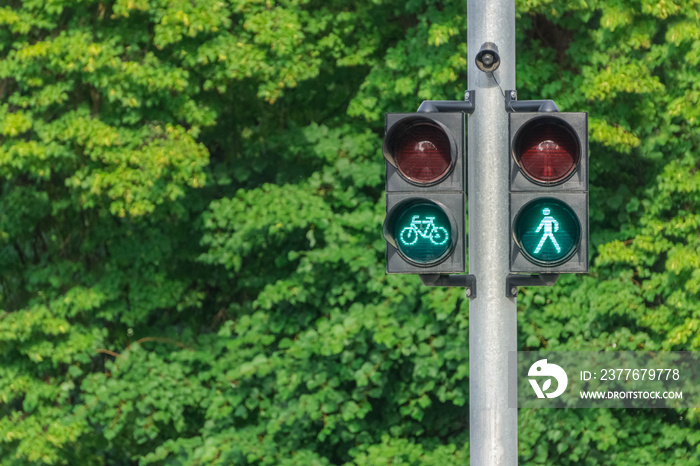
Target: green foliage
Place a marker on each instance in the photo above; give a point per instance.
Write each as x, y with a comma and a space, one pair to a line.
190, 213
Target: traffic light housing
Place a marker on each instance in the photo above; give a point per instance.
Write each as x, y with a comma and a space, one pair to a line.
425, 193
549, 192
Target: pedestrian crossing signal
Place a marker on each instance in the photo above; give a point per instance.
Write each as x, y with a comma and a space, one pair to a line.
547, 231
549, 192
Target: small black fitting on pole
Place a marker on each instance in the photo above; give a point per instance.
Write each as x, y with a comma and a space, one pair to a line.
487, 59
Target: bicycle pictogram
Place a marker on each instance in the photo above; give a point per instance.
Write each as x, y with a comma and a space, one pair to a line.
425, 229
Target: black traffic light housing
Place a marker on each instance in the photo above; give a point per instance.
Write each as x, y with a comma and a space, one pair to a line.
425, 193
549, 192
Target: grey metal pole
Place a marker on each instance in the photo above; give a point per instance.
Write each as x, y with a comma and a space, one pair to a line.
492, 320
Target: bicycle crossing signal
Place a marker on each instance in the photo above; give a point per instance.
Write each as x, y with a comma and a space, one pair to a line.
426, 236
425, 182
549, 192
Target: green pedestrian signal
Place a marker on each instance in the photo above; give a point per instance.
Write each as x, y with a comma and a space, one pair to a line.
548, 192
547, 231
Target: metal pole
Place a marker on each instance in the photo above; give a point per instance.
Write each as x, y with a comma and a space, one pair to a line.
492, 320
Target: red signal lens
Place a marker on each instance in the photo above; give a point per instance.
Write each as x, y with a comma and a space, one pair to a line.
547, 151
422, 152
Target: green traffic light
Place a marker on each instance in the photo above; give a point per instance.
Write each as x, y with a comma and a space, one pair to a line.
422, 232
547, 231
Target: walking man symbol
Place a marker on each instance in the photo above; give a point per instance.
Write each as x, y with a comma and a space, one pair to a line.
547, 223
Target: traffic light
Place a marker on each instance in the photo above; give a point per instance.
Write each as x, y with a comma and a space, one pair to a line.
549, 192
425, 201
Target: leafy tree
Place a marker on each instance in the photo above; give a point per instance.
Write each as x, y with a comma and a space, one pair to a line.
192, 270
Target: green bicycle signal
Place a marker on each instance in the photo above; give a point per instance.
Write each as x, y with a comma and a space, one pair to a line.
422, 232
423, 229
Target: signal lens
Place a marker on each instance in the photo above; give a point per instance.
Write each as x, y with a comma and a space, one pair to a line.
547, 151
422, 152
548, 231
423, 233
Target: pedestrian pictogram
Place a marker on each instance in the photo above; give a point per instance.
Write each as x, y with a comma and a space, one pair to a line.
547, 223
546, 230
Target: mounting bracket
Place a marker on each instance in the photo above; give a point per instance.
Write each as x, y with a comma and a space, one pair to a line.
513, 105
515, 280
435, 279
436, 106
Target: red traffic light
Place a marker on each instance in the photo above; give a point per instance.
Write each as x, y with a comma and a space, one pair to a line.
547, 150
421, 150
